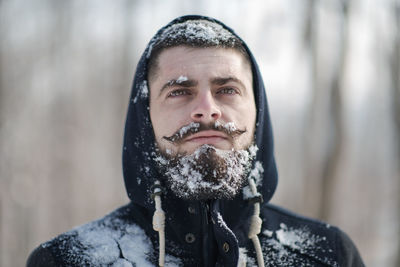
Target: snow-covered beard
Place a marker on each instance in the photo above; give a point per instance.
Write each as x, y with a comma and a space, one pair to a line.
207, 173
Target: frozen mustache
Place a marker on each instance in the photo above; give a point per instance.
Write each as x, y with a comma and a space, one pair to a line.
194, 127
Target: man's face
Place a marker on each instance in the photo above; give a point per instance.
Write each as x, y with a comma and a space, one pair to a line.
205, 86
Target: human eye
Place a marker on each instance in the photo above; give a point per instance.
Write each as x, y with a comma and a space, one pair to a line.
228, 91
178, 92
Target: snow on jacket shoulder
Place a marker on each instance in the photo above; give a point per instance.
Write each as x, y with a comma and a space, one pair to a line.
292, 240
114, 240
117, 240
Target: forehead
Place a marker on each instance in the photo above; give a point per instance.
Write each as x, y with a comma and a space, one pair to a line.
188, 61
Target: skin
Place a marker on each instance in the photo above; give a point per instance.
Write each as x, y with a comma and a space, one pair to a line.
219, 88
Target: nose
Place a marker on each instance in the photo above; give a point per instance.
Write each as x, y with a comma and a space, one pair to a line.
205, 110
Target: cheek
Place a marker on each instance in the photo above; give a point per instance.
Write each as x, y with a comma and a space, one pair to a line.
251, 118
165, 122
156, 120
244, 115
160, 126
246, 118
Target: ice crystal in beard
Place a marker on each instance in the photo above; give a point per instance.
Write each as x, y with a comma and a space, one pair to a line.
208, 173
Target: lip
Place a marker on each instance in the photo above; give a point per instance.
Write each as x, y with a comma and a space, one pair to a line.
207, 137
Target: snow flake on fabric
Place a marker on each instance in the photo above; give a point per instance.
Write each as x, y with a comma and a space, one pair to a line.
131, 248
268, 233
285, 247
297, 239
122, 263
172, 261
195, 31
101, 246
222, 224
242, 262
142, 92
108, 242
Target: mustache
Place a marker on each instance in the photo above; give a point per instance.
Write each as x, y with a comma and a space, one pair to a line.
181, 134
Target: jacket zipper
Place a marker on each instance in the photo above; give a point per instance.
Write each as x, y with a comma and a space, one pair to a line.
207, 239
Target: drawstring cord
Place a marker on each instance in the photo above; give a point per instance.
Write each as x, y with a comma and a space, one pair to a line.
159, 222
255, 224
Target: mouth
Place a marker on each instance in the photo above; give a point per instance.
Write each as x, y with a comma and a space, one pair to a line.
205, 134
207, 137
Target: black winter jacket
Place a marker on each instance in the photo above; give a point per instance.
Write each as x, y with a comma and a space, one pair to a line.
198, 233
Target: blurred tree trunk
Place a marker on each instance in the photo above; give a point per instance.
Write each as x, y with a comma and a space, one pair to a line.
395, 76
324, 137
309, 17
335, 148
60, 115
310, 39
2, 167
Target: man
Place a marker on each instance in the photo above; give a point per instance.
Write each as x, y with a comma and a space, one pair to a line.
199, 169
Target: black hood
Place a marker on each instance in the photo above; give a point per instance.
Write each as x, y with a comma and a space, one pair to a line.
140, 170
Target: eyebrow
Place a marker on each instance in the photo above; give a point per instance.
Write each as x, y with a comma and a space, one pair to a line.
191, 83
225, 80
171, 83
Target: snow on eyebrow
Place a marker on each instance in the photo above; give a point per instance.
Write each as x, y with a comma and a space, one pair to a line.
181, 79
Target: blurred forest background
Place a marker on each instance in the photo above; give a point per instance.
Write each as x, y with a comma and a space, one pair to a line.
331, 67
